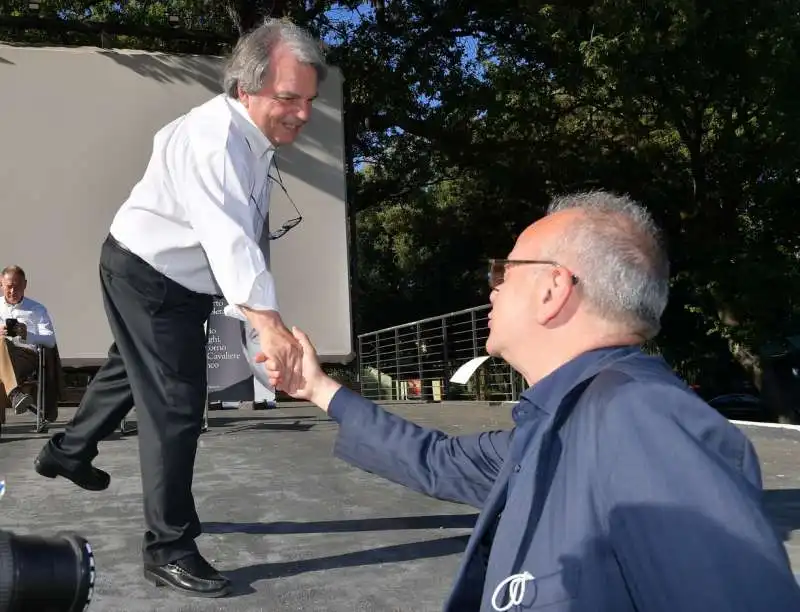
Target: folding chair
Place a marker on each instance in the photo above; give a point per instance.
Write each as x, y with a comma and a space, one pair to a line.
39, 380
41, 390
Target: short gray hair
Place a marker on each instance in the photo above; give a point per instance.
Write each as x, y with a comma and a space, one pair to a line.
12, 270
249, 62
620, 258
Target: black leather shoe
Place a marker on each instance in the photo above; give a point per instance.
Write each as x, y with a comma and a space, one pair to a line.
86, 476
192, 575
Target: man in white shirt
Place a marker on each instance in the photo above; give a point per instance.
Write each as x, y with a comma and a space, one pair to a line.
190, 230
24, 325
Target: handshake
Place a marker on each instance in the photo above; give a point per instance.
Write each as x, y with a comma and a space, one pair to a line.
292, 366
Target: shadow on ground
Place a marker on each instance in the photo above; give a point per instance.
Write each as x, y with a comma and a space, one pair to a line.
243, 578
444, 521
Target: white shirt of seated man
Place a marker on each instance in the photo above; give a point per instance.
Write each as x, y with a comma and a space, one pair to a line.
34, 324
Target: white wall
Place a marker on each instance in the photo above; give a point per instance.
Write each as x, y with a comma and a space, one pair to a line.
76, 127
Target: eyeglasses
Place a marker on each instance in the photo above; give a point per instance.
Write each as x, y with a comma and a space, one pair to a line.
291, 223
497, 269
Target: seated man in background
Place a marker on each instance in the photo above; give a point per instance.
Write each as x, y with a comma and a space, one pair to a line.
618, 489
24, 325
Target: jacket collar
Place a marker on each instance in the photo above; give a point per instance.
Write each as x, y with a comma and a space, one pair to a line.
548, 393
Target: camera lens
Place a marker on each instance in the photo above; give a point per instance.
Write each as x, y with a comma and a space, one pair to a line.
45, 574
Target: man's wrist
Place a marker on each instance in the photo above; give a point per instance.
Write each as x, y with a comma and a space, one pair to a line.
324, 390
263, 320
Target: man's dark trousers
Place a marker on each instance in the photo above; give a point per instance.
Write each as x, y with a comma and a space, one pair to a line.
158, 364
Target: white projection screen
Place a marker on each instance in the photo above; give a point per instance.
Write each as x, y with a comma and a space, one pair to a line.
76, 127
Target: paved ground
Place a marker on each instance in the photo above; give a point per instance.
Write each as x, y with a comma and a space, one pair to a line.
294, 528
779, 452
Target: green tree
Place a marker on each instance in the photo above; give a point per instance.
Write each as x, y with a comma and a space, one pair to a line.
687, 106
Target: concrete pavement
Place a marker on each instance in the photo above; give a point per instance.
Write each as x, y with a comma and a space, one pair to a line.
293, 527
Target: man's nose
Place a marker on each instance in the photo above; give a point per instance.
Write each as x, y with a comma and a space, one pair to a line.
304, 111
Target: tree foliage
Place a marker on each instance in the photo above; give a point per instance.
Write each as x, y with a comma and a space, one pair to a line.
685, 105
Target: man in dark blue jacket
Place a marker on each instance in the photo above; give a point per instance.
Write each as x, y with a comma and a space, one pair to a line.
618, 489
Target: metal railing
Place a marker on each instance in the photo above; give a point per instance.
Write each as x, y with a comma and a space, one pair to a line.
414, 361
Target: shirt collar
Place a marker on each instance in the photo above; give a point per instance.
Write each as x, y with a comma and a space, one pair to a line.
260, 145
547, 394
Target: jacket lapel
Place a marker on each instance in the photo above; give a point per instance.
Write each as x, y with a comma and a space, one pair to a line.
468, 585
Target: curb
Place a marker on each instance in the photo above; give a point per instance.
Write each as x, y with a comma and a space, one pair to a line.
772, 425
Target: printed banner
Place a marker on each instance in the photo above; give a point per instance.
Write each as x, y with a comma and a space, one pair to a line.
230, 378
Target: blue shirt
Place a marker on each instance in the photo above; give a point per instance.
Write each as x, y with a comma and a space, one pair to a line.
618, 490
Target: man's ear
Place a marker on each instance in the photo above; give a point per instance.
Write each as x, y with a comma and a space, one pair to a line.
551, 294
244, 98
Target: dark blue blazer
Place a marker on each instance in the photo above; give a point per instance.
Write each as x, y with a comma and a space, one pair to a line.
618, 490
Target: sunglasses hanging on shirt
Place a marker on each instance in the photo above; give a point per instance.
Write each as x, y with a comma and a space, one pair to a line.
291, 223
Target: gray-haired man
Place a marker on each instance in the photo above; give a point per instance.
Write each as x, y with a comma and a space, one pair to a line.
618, 489
190, 230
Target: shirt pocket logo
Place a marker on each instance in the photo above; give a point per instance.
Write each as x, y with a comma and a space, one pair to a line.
524, 591
514, 588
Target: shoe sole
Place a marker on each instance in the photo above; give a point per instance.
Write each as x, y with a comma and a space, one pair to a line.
160, 582
43, 471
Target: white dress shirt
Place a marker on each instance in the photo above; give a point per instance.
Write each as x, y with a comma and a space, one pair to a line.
198, 212
35, 317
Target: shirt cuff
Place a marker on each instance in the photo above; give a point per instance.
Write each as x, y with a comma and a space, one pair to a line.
234, 312
261, 297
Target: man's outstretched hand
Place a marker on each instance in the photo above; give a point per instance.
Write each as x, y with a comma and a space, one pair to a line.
283, 355
317, 386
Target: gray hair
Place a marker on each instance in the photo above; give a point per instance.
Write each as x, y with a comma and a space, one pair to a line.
12, 270
619, 256
249, 62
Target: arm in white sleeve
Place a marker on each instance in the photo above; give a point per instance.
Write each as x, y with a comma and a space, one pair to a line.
216, 188
40, 331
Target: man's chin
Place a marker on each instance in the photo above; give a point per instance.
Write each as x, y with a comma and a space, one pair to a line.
282, 138
287, 135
